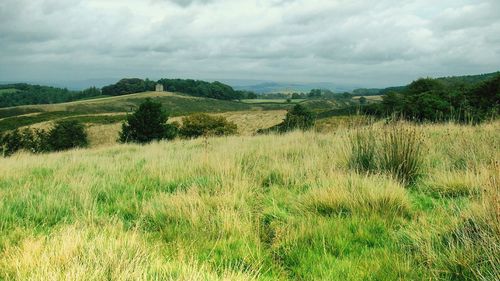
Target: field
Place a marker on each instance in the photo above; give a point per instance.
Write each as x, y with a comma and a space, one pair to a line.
274, 207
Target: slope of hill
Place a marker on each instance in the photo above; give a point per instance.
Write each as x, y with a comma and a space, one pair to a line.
100, 109
252, 208
110, 110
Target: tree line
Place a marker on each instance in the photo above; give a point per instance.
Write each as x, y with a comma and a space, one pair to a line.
25, 94
428, 99
62, 136
215, 90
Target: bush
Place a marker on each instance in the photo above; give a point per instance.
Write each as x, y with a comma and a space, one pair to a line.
198, 125
146, 124
66, 135
11, 143
299, 117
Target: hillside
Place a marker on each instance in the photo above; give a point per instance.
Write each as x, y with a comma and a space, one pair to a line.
111, 109
253, 208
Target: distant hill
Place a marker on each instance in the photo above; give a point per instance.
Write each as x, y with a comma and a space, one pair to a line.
198, 88
275, 87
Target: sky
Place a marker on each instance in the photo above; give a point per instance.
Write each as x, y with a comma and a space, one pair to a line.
347, 42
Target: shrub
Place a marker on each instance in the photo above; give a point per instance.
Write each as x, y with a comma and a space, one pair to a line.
200, 124
66, 135
299, 117
147, 123
11, 143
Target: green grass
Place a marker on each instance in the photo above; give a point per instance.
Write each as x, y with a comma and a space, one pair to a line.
276, 207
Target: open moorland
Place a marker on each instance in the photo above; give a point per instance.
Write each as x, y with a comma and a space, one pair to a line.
272, 207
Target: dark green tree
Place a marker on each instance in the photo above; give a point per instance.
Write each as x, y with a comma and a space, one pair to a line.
66, 135
362, 100
146, 124
299, 117
11, 142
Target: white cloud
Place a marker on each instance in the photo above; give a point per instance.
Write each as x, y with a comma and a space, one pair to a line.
347, 42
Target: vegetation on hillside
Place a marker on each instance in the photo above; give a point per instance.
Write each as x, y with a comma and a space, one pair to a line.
204, 125
25, 94
108, 109
432, 100
148, 123
297, 118
215, 90
63, 135
269, 207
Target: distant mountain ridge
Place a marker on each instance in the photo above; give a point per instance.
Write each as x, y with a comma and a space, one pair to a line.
276, 87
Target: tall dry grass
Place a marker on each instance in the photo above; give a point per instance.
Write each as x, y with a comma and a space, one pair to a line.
287, 207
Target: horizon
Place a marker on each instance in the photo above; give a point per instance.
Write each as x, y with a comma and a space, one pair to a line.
78, 85
295, 41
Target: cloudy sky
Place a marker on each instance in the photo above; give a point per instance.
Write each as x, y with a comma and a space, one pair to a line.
348, 42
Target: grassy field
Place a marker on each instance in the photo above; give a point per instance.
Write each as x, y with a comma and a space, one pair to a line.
273, 207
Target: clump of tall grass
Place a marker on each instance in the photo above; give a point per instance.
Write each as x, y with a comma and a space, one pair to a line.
358, 194
401, 153
452, 183
363, 154
395, 150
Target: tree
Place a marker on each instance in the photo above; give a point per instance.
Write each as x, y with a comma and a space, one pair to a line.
315, 93
200, 124
67, 135
11, 143
362, 100
298, 117
147, 123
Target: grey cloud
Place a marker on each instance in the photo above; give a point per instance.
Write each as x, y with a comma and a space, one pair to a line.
357, 42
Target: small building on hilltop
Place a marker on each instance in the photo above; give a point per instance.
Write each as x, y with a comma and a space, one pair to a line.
159, 88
